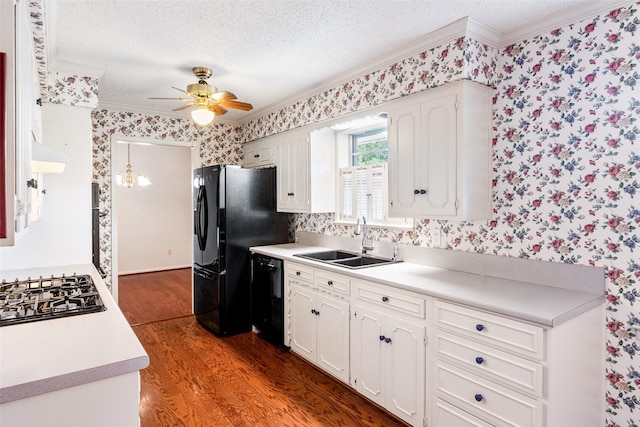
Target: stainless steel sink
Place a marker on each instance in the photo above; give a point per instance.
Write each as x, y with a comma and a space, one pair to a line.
347, 259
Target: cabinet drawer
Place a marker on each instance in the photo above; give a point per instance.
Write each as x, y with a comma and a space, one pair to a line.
450, 416
383, 296
298, 272
491, 363
511, 335
489, 401
330, 281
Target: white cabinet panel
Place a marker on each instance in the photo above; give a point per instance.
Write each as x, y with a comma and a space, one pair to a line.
389, 362
440, 153
317, 321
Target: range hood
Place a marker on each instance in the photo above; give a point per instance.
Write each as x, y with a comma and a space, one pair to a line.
45, 159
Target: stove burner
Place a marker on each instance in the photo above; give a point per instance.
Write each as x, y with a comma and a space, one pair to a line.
30, 300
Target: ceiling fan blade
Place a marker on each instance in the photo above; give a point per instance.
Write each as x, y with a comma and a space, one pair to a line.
183, 107
217, 110
237, 105
174, 99
181, 90
223, 96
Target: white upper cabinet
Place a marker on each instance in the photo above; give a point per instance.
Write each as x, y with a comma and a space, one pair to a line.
440, 153
260, 153
306, 171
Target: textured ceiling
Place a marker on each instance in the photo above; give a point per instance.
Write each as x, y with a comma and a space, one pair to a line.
264, 51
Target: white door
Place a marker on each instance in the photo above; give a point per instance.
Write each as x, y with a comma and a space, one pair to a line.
303, 321
333, 336
367, 361
405, 369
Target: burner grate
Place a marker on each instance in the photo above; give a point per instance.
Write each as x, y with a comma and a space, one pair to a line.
30, 300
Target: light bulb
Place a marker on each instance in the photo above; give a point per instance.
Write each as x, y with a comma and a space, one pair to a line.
202, 115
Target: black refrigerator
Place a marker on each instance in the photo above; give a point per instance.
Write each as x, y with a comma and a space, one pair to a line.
234, 208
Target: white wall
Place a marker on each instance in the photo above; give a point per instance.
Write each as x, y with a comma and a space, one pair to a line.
62, 235
154, 222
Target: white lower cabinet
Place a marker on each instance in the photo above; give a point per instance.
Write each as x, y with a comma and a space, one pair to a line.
389, 349
318, 320
320, 330
491, 370
476, 369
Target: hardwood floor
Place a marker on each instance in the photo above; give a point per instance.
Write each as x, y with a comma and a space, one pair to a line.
198, 379
151, 297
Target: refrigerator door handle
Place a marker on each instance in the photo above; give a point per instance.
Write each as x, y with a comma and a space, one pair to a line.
205, 213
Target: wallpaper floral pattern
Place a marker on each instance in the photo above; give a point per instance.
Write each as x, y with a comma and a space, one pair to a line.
565, 158
218, 144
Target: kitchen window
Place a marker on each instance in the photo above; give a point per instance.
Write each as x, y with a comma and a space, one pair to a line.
362, 177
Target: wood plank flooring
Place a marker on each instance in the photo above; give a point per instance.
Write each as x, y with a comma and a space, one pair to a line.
151, 297
196, 378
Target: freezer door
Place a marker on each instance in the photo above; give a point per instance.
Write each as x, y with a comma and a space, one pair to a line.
208, 298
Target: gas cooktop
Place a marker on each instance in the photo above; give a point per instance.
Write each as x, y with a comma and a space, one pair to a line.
30, 300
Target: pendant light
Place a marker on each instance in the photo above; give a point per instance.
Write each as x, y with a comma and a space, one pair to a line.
128, 178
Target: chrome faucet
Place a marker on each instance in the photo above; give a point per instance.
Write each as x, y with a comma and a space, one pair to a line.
367, 244
396, 249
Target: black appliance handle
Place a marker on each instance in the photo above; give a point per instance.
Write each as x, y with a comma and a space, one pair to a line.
205, 213
196, 217
201, 208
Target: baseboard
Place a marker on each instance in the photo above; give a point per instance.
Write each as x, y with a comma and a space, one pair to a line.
153, 270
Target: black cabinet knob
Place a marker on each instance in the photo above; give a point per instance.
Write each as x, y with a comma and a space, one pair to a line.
478, 397
479, 360
416, 191
423, 192
297, 273
479, 327
330, 282
385, 299
256, 156
387, 340
381, 337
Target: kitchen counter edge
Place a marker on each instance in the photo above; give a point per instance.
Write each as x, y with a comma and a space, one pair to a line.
44, 377
547, 306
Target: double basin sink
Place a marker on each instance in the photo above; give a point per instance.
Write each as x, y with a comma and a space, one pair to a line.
347, 259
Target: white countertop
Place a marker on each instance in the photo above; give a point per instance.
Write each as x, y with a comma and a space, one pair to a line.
48, 355
544, 305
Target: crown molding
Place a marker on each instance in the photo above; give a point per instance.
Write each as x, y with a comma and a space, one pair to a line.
584, 10
155, 112
462, 27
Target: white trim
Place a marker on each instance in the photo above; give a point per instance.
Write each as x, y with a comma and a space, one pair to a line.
157, 112
584, 10
114, 139
446, 34
153, 270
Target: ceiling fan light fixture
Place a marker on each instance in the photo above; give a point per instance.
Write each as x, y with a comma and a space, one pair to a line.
202, 115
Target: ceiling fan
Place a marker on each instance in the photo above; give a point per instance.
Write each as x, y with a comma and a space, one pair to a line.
208, 101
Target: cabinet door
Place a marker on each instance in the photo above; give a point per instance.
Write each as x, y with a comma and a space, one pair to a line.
332, 334
293, 174
438, 159
303, 321
404, 161
423, 158
367, 361
405, 369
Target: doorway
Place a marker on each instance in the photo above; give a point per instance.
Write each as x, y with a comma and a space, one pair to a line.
152, 246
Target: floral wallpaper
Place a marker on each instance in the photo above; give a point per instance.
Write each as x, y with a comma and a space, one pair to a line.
218, 144
565, 160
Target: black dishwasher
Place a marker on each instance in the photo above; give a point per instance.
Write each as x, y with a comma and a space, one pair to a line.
267, 305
